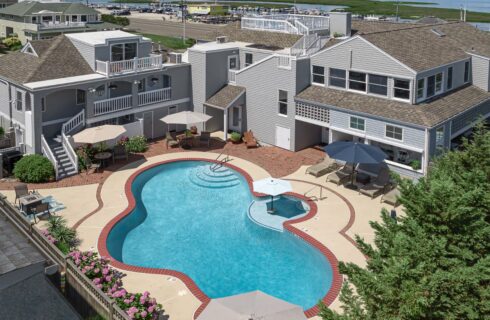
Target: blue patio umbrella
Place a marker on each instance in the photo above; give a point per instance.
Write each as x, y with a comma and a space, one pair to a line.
355, 152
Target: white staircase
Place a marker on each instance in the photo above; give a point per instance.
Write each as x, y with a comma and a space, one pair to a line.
66, 167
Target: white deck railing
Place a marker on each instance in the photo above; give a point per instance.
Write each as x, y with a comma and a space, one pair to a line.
154, 96
70, 152
268, 25
288, 23
77, 120
60, 25
154, 61
112, 105
48, 153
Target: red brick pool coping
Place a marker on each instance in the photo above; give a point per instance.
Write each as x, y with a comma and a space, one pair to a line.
191, 285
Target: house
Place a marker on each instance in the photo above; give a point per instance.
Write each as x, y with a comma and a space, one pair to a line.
26, 291
208, 9
54, 87
294, 80
32, 20
6, 3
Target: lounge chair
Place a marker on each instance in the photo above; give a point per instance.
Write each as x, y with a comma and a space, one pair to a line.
205, 138
91, 166
20, 191
392, 197
249, 139
119, 152
344, 174
171, 140
379, 185
326, 166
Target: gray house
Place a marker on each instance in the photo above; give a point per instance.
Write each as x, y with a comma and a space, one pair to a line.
294, 80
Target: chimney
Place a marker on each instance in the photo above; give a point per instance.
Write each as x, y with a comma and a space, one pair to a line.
340, 24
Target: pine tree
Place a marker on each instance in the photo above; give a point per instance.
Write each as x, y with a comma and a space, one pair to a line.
433, 263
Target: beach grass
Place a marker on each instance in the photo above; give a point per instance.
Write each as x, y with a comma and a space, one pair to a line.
170, 42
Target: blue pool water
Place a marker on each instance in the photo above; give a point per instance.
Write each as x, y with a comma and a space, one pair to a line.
190, 219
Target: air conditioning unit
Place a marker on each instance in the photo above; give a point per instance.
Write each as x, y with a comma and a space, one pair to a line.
175, 57
222, 39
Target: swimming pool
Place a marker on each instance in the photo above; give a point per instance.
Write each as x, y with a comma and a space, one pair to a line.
194, 220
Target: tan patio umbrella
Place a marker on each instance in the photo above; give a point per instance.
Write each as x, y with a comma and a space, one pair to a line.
99, 134
251, 306
186, 117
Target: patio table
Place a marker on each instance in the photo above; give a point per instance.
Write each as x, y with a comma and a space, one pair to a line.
28, 203
102, 157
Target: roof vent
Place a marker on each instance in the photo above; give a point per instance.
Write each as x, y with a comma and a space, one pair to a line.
221, 39
439, 33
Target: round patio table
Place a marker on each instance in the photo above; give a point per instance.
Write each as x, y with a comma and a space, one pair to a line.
102, 157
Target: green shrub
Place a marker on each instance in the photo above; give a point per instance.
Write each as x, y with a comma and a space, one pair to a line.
415, 164
2, 132
34, 168
235, 137
13, 43
136, 144
65, 237
122, 21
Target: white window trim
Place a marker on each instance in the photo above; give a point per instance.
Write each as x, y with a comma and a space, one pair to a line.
409, 90
237, 62
22, 101
248, 53
317, 74
365, 82
447, 78
394, 139
443, 137
469, 71
346, 79
124, 44
359, 130
424, 89
379, 85
443, 78
76, 97
279, 103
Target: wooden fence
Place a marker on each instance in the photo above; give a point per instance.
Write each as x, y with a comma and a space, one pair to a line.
87, 299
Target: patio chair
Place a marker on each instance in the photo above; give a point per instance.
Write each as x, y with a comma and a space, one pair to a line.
327, 165
91, 166
392, 197
379, 185
20, 191
119, 152
205, 138
249, 139
344, 174
171, 139
40, 209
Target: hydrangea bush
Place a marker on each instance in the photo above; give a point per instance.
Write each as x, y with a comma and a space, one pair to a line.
108, 279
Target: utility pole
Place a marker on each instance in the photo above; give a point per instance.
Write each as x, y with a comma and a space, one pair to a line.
397, 10
183, 20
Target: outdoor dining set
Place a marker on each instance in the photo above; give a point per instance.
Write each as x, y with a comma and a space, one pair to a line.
32, 204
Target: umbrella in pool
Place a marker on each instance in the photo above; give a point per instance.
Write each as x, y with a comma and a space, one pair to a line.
272, 187
251, 306
186, 117
355, 152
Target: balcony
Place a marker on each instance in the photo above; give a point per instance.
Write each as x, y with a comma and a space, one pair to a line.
60, 25
154, 61
287, 23
122, 103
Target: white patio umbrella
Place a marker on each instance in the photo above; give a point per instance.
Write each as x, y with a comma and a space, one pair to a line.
272, 187
251, 306
99, 134
186, 117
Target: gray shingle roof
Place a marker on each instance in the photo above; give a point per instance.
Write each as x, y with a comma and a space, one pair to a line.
15, 251
58, 58
421, 48
427, 114
225, 96
29, 7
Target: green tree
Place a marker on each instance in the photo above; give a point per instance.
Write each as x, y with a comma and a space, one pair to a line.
433, 263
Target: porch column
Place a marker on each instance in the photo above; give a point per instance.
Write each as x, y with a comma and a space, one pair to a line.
225, 126
134, 92
89, 105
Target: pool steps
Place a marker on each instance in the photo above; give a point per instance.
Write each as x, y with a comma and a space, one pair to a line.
222, 177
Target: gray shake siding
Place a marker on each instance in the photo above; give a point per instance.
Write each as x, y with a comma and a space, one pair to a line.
263, 82
481, 72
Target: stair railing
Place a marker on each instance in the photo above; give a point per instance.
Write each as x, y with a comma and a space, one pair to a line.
48, 153
67, 127
70, 152
219, 163
314, 197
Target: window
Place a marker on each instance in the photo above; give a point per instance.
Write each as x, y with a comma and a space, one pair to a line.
83, 18
440, 137
337, 78
142, 85
466, 71
43, 104
248, 59
438, 82
80, 97
420, 88
449, 82
28, 101
401, 89
378, 84
123, 51
18, 101
74, 18
431, 85
100, 90
394, 132
318, 74
283, 102
357, 81
357, 123
167, 82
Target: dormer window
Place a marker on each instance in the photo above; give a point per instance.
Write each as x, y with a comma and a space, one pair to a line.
123, 51
337, 78
378, 84
357, 81
401, 89
318, 74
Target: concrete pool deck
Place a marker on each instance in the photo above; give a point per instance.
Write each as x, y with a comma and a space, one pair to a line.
342, 213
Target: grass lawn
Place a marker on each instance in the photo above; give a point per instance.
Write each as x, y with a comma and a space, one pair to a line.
170, 42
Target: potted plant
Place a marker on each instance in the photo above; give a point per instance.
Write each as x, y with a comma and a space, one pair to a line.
193, 130
235, 137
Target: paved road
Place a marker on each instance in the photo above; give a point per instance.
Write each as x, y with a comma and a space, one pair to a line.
171, 28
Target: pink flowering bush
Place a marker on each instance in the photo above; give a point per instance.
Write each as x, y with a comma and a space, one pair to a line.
48, 235
108, 279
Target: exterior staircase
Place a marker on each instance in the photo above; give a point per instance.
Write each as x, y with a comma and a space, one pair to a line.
65, 166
